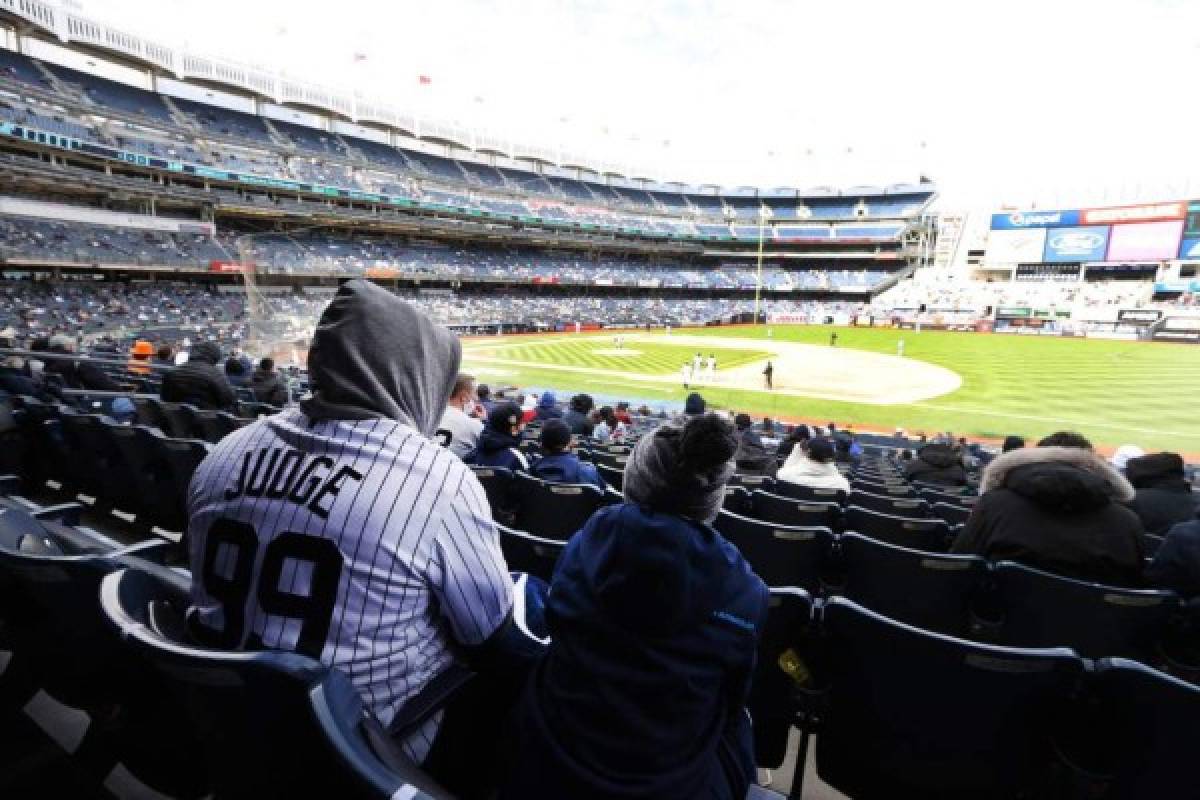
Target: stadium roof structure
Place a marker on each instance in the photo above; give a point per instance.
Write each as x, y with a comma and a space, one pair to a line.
86, 34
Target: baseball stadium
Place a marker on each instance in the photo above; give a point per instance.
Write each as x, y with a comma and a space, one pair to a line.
564, 400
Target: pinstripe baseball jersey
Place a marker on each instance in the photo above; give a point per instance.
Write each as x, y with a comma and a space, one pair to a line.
357, 542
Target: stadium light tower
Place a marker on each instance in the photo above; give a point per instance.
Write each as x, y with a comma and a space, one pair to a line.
762, 228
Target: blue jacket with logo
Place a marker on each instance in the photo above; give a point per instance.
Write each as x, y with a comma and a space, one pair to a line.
653, 621
566, 468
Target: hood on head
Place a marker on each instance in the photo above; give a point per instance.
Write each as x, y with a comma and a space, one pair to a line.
205, 353
1061, 478
938, 455
547, 400
374, 355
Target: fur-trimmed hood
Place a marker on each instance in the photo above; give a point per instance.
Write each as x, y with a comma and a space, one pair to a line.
1058, 476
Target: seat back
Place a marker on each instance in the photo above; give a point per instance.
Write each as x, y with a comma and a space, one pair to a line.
953, 513
1040, 609
612, 476
272, 724
933, 591
915, 533
789, 616
553, 510
889, 489
497, 484
916, 714
1152, 717
785, 511
782, 555
913, 507
809, 494
737, 500
534, 555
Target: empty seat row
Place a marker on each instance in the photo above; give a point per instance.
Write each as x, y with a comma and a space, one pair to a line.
902, 712
134, 469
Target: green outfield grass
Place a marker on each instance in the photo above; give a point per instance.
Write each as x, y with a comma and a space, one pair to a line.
1115, 392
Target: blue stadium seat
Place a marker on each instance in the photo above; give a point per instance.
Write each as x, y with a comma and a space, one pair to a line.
912, 532
553, 510
933, 591
52, 576
772, 702
888, 504
785, 511
272, 724
1148, 728
809, 494
534, 555
914, 714
1040, 609
782, 555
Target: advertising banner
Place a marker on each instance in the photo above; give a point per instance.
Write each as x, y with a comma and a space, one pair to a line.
1190, 249
1016, 246
1019, 220
1144, 240
1078, 244
1144, 213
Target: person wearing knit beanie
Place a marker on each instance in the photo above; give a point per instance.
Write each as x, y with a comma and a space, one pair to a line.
682, 469
653, 620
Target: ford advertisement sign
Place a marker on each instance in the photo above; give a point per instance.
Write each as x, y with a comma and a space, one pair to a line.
1016, 220
1076, 245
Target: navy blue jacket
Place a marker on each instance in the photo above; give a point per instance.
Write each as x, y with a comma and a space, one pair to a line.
566, 468
654, 621
498, 450
1176, 565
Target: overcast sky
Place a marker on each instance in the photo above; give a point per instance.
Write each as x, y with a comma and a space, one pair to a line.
1053, 102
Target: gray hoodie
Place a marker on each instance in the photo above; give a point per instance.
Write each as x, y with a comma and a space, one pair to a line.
374, 355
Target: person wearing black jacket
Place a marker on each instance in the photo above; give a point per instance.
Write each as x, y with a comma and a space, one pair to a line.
577, 415
939, 464
1163, 495
77, 374
751, 455
200, 381
266, 384
1060, 509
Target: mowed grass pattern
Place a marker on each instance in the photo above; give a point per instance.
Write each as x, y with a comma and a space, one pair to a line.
650, 358
1115, 392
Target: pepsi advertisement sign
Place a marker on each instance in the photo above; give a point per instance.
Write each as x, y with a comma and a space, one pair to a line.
1016, 220
1190, 249
1074, 245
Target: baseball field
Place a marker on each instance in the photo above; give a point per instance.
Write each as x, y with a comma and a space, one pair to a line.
973, 384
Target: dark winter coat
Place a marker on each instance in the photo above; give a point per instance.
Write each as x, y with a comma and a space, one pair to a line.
1164, 497
200, 382
268, 387
566, 468
653, 621
751, 453
81, 375
939, 464
578, 422
1058, 509
497, 449
1176, 565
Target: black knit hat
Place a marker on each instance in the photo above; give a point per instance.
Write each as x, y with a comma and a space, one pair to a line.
504, 417
555, 435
